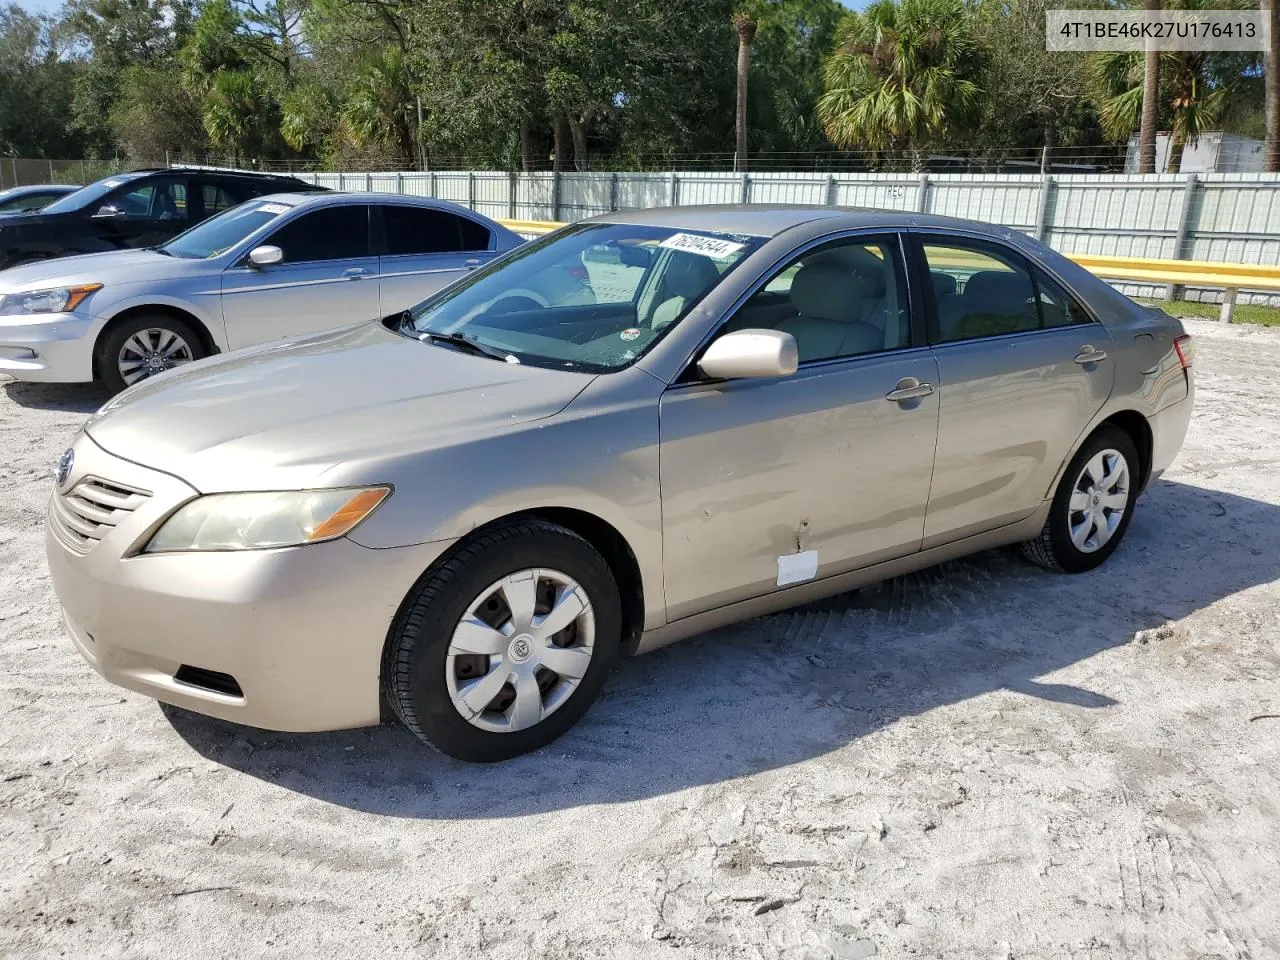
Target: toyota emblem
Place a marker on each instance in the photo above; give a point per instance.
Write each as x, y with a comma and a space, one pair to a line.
65, 463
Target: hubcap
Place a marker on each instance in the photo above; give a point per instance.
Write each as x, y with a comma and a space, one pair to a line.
151, 351
1098, 501
520, 650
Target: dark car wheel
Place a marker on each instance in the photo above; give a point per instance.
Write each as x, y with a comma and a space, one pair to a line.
504, 645
1092, 506
146, 345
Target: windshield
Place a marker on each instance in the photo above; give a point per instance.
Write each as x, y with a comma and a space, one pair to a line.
594, 297
85, 195
219, 234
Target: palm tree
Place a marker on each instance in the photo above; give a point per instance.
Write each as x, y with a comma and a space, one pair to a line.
900, 77
1150, 102
1196, 97
1271, 81
745, 25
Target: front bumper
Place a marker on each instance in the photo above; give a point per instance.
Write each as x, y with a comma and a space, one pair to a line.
301, 630
50, 347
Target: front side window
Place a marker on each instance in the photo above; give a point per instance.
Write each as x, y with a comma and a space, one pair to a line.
154, 200
980, 290
594, 297
843, 299
418, 230
334, 233
219, 234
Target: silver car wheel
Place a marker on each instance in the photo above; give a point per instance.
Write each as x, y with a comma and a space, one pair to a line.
151, 351
520, 650
1098, 501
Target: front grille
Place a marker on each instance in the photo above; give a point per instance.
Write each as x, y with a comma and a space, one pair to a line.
88, 512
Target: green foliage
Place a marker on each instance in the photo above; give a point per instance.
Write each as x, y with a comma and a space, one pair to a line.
904, 74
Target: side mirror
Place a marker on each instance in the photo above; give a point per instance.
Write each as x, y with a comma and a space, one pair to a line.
265, 256
753, 354
107, 212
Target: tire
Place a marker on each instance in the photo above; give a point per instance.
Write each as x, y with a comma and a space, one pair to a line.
1055, 548
424, 686
154, 329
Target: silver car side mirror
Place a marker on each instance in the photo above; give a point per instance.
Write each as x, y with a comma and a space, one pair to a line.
107, 212
265, 256
756, 354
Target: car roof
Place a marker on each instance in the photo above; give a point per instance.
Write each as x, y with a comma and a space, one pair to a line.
297, 197
769, 220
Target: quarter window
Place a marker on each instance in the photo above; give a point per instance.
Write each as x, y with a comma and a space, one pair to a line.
979, 291
412, 230
334, 233
840, 300
1057, 307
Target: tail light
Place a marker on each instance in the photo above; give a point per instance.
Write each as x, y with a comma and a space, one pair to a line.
1186, 349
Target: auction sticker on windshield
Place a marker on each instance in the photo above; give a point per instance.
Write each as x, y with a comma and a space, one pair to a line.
712, 247
274, 208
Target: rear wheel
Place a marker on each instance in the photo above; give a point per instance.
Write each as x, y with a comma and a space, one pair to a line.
504, 645
1092, 506
145, 346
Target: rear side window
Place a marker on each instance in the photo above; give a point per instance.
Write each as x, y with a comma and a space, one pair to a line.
412, 230
334, 233
218, 197
979, 291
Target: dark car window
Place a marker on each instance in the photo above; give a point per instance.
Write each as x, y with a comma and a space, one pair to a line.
980, 290
218, 197
32, 200
843, 299
334, 233
411, 230
1057, 307
159, 199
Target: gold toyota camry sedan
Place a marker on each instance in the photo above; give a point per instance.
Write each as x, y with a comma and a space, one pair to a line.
463, 514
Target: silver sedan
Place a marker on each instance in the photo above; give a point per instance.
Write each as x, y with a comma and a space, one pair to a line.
274, 267
464, 515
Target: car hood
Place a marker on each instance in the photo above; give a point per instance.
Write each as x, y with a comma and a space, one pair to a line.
115, 267
328, 408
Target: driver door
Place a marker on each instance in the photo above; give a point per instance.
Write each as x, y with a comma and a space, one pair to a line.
771, 482
143, 215
328, 278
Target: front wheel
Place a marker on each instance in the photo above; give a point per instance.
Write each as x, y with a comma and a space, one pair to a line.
1092, 506
502, 647
145, 346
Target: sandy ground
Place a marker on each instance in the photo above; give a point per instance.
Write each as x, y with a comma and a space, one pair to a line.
983, 760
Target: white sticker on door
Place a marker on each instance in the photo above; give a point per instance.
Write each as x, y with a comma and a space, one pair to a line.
712, 247
797, 567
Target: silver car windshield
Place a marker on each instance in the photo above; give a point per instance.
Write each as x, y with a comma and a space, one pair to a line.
593, 297
219, 234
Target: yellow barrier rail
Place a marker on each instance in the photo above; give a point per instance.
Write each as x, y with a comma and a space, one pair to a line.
1231, 278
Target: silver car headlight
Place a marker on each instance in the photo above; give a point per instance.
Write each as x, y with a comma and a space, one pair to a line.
254, 521
53, 300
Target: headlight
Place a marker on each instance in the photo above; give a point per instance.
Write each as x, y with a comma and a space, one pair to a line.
54, 300
250, 521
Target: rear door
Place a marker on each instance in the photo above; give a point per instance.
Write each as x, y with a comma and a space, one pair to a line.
1022, 369
425, 248
328, 278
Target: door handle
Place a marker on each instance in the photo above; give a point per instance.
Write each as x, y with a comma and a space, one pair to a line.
355, 273
909, 388
471, 264
1089, 355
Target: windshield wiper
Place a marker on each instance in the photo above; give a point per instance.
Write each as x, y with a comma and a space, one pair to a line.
467, 344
